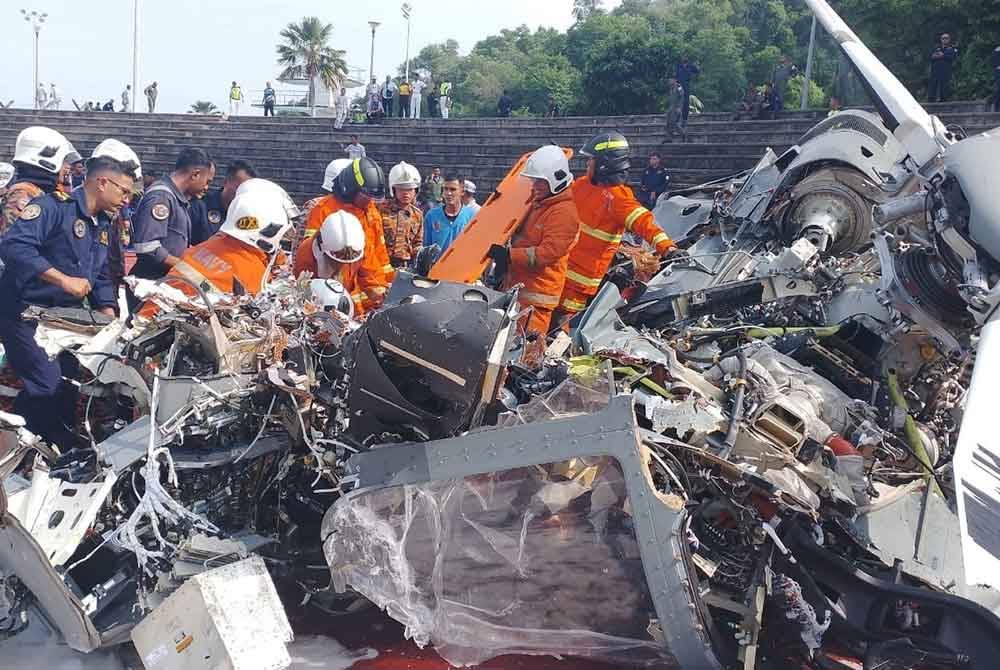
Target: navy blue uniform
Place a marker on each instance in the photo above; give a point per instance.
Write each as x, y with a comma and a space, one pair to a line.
685, 73
942, 61
161, 228
995, 64
54, 231
653, 185
207, 215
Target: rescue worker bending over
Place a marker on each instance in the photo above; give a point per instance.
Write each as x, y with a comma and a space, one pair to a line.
238, 259
402, 220
333, 168
335, 254
42, 159
540, 247
608, 209
358, 189
162, 225
56, 256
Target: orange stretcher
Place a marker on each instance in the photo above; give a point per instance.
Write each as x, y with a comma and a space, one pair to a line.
466, 259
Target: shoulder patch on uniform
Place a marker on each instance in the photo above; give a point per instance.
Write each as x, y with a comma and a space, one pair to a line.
80, 228
31, 212
214, 217
61, 196
160, 211
104, 237
247, 223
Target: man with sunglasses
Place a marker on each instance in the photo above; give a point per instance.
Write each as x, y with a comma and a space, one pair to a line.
162, 225
57, 256
358, 189
336, 253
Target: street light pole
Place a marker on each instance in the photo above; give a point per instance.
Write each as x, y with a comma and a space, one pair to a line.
135, 55
809, 66
371, 66
36, 20
406, 14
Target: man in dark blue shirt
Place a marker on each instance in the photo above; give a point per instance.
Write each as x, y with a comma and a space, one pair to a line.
943, 57
995, 65
56, 256
209, 211
161, 229
654, 181
686, 71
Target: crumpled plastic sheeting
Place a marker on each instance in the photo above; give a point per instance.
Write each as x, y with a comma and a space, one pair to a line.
539, 560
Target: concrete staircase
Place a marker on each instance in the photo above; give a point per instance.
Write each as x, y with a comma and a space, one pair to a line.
295, 150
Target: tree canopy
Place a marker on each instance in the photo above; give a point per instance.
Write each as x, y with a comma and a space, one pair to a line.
305, 53
618, 61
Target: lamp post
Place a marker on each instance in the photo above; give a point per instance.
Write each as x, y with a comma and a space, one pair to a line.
406, 15
135, 55
809, 66
36, 20
371, 65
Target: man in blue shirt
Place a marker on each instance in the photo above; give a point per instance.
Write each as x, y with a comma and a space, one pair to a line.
444, 223
686, 71
56, 256
943, 58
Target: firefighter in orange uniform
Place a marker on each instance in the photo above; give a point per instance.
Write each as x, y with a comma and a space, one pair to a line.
358, 189
540, 247
608, 209
244, 250
336, 253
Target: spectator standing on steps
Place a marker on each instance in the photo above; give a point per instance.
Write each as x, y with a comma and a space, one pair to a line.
389, 90
54, 100
41, 97
504, 105
151, 92
943, 57
995, 64
654, 181
686, 71
235, 98
445, 99
433, 99
675, 109
269, 99
432, 189
341, 107
355, 149
783, 72
405, 91
127, 98
417, 94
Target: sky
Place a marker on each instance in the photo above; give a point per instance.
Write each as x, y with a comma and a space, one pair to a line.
195, 48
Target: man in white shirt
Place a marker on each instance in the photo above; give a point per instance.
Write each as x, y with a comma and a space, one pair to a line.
54, 99
341, 106
469, 197
445, 99
235, 98
127, 98
418, 87
355, 149
41, 97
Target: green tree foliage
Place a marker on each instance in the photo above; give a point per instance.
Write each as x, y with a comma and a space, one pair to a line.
305, 53
204, 107
618, 61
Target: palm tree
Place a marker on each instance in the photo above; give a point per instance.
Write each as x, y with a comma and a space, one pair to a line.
204, 107
306, 54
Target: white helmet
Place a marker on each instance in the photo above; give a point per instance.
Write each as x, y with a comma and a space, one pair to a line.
549, 163
121, 152
332, 170
6, 174
404, 175
331, 296
267, 187
42, 147
257, 218
341, 238
469, 187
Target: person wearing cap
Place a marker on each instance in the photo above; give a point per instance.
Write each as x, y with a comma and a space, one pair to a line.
358, 189
56, 255
336, 253
608, 209
209, 211
239, 258
402, 220
469, 197
42, 158
537, 255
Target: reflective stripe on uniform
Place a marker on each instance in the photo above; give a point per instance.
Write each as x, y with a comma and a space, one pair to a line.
146, 247
309, 233
357, 172
600, 234
571, 305
611, 144
635, 214
660, 238
577, 278
530, 251
539, 299
186, 270
388, 268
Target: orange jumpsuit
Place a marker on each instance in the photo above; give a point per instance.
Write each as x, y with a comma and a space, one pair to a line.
347, 274
218, 260
606, 212
539, 253
376, 272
